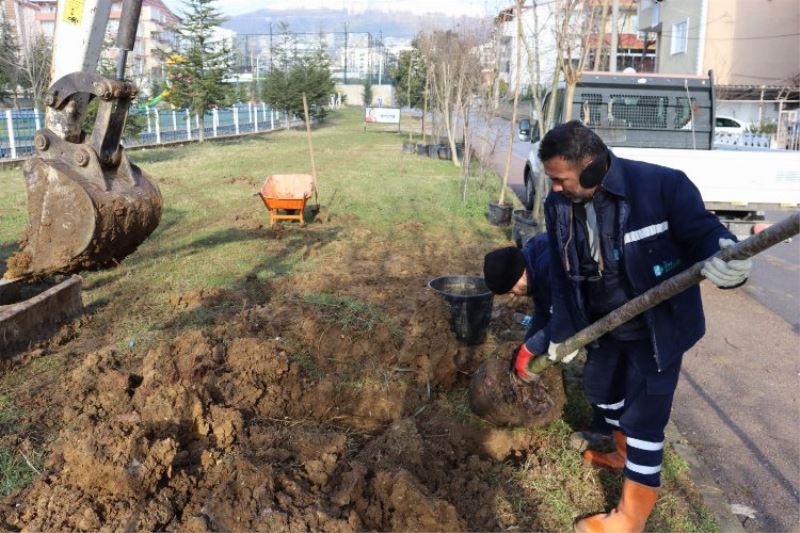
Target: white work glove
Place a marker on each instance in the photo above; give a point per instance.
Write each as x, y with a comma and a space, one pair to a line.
551, 353
727, 273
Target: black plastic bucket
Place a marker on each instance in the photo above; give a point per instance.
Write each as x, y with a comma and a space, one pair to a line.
445, 152
470, 302
422, 149
433, 151
499, 215
409, 147
523, 227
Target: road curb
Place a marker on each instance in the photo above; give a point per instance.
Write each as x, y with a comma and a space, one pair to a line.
713, 496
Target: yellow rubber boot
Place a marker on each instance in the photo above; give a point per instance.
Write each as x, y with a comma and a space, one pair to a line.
630, 516
614, 460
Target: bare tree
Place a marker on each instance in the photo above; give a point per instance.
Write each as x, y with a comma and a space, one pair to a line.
601, 38
574, 31
29, 66
517, 74
454, 72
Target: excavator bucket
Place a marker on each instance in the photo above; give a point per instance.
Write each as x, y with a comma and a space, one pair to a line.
88, 205
83, 217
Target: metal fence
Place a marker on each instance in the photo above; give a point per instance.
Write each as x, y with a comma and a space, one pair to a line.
18, 126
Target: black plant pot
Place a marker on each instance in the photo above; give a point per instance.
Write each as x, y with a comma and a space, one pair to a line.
409, 147
500, 215
445, 152
433, 151
523, 227
422, 149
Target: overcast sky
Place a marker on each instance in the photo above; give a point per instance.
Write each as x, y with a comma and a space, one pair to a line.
449, 7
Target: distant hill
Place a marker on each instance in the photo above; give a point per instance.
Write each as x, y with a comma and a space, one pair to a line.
397, 25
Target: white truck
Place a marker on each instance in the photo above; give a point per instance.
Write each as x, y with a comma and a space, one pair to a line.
668, 120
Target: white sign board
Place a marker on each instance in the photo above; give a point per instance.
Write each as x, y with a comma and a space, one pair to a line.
382, 115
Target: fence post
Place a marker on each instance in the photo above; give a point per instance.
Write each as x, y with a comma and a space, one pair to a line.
214, 120
36, 120
255, 116
188, 125
236, 119
12, 142
264, 111
158, 126
174, 121
271, 118
250, 112
149, 125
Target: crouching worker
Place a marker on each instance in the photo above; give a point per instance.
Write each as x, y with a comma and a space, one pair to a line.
526, 272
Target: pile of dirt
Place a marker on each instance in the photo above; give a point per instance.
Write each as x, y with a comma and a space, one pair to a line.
337, 405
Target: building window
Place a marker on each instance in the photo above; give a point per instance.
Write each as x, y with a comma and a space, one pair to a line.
680, 37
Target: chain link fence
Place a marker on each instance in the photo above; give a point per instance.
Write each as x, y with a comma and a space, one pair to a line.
18, 126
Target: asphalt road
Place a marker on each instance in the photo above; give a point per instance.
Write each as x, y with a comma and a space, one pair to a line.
737, 402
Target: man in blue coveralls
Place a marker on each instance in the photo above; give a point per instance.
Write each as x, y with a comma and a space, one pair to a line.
617, 228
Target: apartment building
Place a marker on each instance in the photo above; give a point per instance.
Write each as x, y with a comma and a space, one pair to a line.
21, 14
153, 34
745, 42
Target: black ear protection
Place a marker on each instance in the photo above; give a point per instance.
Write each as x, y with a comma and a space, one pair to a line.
593, 174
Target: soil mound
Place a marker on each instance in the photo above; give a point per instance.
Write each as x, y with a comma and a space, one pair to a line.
321, 409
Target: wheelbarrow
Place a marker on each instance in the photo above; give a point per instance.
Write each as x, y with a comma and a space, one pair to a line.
287, 192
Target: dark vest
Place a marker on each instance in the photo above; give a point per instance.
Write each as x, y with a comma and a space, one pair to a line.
605, 286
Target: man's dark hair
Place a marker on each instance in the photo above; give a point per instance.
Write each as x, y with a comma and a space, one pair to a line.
573, 141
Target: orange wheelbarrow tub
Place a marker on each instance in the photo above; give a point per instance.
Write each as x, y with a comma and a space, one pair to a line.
286, 192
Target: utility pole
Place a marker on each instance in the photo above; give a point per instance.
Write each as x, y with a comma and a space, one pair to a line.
345, 53
612, 61
270, 46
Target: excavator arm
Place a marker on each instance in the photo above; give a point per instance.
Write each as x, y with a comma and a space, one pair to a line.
88, 206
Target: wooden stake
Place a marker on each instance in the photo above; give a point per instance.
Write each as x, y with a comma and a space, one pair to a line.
785, 229
311, 150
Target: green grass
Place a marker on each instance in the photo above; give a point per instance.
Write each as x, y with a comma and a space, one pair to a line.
9, 413
15, 473
352, 316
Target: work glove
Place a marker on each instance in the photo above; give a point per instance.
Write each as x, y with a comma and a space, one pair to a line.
727, 274
551, 353
519, 363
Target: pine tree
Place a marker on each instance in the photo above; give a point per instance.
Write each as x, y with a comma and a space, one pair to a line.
197, 69
366, 92
410, 90
293, 74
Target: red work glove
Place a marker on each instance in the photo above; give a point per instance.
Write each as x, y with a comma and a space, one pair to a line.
520, 363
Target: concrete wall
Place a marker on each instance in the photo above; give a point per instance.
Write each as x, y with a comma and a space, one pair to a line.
748, 111
753, 42
354, 94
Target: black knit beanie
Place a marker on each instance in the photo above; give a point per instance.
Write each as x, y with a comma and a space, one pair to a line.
502, 269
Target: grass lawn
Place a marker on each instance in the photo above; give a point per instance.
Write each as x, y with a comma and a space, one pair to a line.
213, 265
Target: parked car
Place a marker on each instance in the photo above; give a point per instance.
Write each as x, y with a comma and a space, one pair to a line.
729, 125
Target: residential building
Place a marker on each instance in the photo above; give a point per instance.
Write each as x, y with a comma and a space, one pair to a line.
153, 34
745, 42
22, 15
